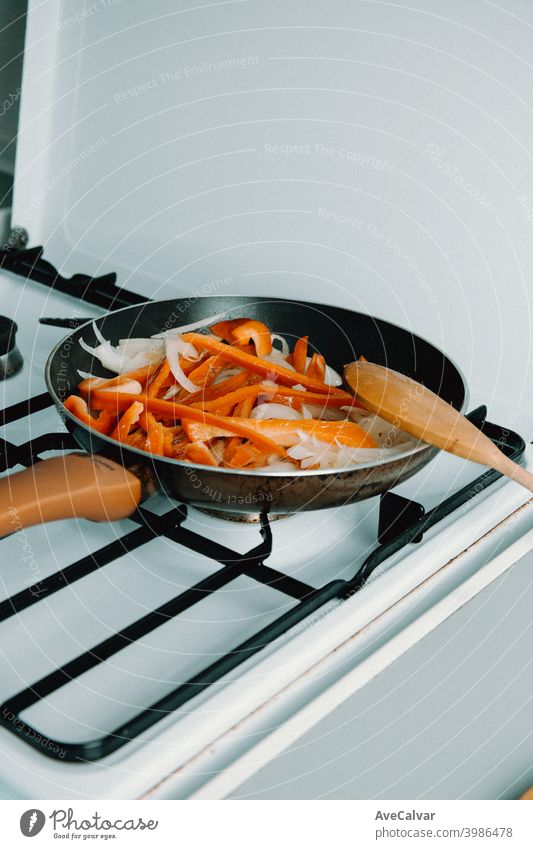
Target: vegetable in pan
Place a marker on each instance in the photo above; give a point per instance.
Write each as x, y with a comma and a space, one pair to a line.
233, 397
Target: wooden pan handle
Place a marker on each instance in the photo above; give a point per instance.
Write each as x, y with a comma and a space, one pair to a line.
73, 485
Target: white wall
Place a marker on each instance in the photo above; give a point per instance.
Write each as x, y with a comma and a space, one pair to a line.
368, 154
12, 26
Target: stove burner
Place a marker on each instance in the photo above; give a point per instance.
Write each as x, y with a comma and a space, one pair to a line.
10, 358
246, 518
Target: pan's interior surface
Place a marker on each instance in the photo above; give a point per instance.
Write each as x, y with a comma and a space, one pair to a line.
339, 334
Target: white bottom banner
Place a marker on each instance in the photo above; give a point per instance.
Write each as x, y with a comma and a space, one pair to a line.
243, 824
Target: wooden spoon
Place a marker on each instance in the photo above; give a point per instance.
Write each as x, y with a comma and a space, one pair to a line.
410, 407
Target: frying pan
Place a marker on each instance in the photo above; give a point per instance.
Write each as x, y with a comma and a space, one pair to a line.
110, 479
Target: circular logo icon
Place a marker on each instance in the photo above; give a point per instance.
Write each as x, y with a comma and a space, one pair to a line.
32, 822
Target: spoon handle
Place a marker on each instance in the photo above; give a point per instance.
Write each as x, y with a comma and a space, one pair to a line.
411, 407
512, 470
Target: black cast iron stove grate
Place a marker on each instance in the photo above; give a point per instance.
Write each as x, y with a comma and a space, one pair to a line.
401, 522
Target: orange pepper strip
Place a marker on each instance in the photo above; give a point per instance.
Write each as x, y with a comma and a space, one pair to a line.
205, 373
126, 421
155, 441
137, 439
225, 329
242, 409
339, 399
78, 407
198, 452
217, 391
245, 392
189, 366
247, 361
285, 432
317, 367
173, 444
252, 392
147, 420
299, 355
289, 401
245, 455
257, 332
178, 451
229, 449
170, 410
158, 380
224, 410
173, 439
155, 433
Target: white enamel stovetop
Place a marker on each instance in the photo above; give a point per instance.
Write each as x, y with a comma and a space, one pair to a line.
221, 739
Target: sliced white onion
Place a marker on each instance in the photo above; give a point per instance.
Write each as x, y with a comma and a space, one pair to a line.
332, 378
98, 334
274, 411
311, 451
117, 360
185, 328
107, 355
130, 354
328, 414
277, 357
173, 356
171, 392
284, 350
146, 358
186, 349
86, 347
132, 347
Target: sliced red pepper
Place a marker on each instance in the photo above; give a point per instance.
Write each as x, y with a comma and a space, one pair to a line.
286, 432
299, 355
205, 374
242, 409
126, 421
225, 329
317, 367
159, 379
172, 411
198, 452
257, 332
250, 393
218, 390
246, 455
283, 375
78, 407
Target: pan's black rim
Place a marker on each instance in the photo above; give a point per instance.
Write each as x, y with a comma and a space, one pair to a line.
418, 449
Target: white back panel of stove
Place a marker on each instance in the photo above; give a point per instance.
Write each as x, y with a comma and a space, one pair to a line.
366, 154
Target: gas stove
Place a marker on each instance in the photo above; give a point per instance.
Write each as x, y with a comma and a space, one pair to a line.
250, 148
128, 643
